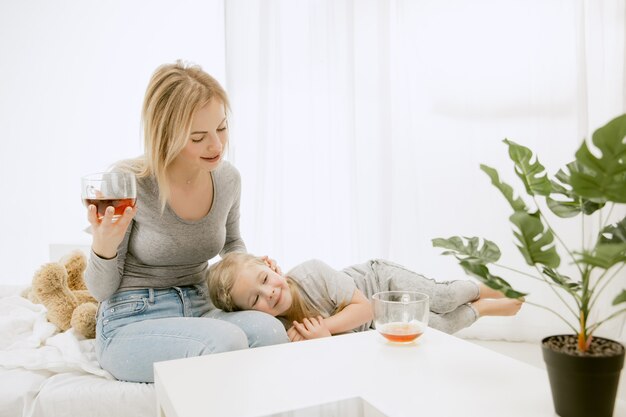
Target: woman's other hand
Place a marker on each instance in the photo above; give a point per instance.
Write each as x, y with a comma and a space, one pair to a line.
272, 264
108, 234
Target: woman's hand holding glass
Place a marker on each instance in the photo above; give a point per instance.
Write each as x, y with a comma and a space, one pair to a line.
108, 233
110, 199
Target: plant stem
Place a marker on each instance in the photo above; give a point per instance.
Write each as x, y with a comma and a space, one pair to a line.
553, 312
597, 294
600, 278
608, 217
582, 223
559, 295
525, 274
583, 308
599, 323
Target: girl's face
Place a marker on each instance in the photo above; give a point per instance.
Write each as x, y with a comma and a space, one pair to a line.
209, 135
257, 287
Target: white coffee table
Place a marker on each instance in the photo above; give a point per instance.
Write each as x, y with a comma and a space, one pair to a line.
356, 375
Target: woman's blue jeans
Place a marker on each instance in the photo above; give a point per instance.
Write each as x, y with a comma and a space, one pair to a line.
136, 328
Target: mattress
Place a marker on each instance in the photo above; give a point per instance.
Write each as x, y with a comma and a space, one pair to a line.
44, 372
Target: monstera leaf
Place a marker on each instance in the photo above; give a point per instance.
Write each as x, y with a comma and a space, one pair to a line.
482, 273
573, 204
621, 298
562, 280
472, 251
603, 178
610, 249
532, 174
506, 190
605, 255
614, 233
534, 240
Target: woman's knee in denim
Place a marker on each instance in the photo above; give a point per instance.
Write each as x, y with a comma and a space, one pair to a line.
270, 330
233, 339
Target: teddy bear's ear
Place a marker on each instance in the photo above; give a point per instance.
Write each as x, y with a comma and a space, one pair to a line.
75, 264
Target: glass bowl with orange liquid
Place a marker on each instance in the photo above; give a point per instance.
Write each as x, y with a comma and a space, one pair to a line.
104, 189
401, 316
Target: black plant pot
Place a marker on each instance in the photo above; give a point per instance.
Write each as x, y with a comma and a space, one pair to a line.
583, 386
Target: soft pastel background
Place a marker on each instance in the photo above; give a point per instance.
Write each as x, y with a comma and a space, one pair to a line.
358, 126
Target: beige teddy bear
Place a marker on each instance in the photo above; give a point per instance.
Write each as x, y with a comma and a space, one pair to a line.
59, 286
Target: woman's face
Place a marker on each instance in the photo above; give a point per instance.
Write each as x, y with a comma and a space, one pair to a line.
209, 135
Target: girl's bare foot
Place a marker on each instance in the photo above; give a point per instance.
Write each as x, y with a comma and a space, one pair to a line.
497, 307
486, 292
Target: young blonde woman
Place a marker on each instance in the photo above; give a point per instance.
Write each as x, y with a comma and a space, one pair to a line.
148, 267
315, 300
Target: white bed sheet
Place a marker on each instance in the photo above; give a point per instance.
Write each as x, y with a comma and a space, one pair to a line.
19, 387
46, 394
76, 394
46, 373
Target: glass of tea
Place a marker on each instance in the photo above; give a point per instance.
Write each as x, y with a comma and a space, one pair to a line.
400, 316
104, 189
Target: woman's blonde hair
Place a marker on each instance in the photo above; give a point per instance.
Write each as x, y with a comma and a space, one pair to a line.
222, 276
175, 92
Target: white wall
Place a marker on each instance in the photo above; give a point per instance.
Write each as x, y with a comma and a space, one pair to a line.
72, 78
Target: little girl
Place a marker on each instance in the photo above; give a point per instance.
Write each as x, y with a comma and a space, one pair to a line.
318, 301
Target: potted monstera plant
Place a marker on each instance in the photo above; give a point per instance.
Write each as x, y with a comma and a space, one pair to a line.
583, 369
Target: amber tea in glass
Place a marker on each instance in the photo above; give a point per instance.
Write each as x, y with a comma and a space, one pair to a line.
104, 189
400, 316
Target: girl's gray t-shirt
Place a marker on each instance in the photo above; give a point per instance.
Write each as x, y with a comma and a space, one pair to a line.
326, 288
161, 250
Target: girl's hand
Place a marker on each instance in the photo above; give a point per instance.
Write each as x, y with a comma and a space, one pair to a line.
312, 328
272, 264
107, 235
293, 335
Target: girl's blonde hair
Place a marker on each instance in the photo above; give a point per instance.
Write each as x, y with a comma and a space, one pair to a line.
175, 92
222, 276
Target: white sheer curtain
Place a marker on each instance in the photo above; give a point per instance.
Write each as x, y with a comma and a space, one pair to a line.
359, 126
